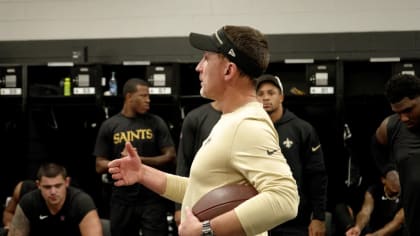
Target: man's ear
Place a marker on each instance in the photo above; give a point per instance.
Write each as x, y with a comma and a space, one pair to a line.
281, 96
227, 70
231, 67
383, 180
68, 180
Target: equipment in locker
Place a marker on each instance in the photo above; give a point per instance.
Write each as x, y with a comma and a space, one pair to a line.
82, 82
10, 83
162, 80
320, 80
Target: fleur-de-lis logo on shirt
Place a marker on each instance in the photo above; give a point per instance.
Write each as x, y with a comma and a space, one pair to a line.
288, 143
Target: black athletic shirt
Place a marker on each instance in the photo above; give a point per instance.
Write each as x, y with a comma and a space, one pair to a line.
65, 222
404, 146
196, 127
146, 132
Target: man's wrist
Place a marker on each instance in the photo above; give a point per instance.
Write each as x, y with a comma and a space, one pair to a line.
207, 230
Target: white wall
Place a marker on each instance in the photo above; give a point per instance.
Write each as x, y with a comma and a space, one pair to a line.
85, 19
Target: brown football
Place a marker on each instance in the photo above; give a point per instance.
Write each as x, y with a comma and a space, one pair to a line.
221, 200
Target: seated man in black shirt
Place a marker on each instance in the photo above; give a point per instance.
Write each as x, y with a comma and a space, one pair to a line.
55, 208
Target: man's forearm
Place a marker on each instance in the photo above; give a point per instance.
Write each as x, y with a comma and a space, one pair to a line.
153, 179
362, 220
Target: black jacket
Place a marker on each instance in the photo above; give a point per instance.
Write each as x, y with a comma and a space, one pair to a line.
301, 147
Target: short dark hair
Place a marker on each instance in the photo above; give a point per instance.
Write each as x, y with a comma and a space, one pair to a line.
130, 85
401, 86
250, 41
51, 170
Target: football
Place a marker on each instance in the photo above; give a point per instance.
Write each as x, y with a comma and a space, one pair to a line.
221, 200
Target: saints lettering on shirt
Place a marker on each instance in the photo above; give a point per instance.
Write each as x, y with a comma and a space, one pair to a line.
131, 135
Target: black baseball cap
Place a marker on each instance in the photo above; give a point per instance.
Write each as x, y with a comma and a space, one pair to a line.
271, 79
220, 43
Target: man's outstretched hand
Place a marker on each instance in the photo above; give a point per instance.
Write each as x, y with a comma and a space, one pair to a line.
126, 170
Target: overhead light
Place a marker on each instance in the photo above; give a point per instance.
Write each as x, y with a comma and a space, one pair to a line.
136, 63
384, 59
299, 61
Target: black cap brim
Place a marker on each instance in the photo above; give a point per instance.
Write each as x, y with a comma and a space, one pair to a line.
203, 42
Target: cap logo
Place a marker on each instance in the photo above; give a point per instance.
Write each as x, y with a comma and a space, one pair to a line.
279, 83
218, 39
232, 53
